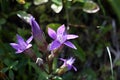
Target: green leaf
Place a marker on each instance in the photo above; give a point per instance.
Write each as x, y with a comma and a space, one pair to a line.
7, 62
23, 15
53, 26
4, 5
99, 50
68, 76
90, 74
90, 7
81, 1
57, 78
4, 70
27, 5
57, 2
2, 21
79, 52
44, 18
57, 8
117, 63
23, 32
11, 75
105, 29
41, 73
115, 7
38, 2
13, 65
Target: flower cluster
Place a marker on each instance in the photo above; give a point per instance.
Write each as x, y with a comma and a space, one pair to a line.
60, 38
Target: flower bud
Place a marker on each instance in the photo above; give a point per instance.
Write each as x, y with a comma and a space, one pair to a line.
38, 35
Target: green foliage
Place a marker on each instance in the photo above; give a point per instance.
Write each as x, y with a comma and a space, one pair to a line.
79, 52
116, 8
94, 30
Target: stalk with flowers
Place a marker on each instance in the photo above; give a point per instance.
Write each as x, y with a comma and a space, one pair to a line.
49, 50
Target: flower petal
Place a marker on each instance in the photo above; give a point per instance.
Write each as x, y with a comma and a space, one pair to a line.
62, 59
28, 46
54, 45
52, 33
21, 41
71, 36
19, 51
69, 67
74, 68
68, 43
35, 27
29, 40
15, 46
61, 30
70, 61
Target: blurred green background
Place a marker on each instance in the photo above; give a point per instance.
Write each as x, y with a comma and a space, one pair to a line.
96, 31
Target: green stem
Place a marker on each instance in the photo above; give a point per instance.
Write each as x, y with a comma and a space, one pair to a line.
110, 61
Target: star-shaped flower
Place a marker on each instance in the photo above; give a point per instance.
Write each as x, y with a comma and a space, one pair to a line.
68, 63
21, 45
60, 37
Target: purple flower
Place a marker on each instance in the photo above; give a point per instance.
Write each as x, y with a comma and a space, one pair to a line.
21, 45
36, 30
68, 63
60, 37
38, 34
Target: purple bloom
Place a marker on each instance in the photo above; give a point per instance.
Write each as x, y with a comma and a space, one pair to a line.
60, 37
38, 34
36, 30
21, 45
68, 63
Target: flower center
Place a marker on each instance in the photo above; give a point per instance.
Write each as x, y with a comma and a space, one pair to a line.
61, 38
23, 46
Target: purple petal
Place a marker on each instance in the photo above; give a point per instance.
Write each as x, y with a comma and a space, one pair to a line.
21, 41
29, 40
35, 27
68, 43
28, 46
52, 33
70, 61
19, 51
61, 30
15, 46
74, 68
62, 59
71, 36
61, 38
54, 45
31, 19
69, 67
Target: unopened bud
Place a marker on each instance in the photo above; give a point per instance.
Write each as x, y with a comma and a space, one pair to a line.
39, 61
